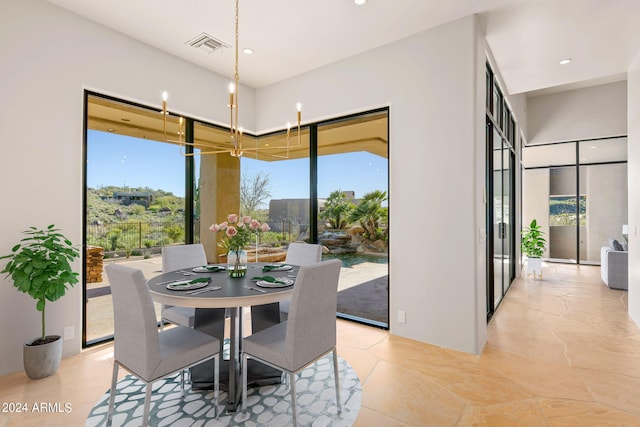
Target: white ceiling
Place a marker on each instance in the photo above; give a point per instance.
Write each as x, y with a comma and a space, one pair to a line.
528, 38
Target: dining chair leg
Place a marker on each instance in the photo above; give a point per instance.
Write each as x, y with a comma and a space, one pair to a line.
337, 379
147, 403
292, 380
244, 382
216, 381
162, 307
182, 381
112, 395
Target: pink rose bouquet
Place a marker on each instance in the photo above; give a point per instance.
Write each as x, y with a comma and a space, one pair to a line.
238, 231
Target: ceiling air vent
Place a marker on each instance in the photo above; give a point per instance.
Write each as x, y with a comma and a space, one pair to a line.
207, 43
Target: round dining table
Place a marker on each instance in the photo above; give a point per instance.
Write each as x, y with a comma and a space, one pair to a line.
226, 295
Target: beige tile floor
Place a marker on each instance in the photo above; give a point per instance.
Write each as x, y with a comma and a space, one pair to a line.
560, 352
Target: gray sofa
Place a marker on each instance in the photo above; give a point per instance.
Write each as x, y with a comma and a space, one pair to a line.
614, 267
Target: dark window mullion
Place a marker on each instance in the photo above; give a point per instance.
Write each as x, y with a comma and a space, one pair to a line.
577, 202
489, 220
313, 183
189, 182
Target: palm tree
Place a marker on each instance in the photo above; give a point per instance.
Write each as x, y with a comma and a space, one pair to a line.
370, 214
337, 209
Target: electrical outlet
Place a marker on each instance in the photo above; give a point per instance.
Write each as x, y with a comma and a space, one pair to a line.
69, 333
402, 316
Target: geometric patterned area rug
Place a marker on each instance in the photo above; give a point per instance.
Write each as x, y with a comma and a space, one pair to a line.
266, 406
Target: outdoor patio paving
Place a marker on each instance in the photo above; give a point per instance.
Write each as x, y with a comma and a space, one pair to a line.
100, 309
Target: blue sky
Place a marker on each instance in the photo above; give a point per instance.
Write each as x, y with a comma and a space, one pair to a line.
126, 161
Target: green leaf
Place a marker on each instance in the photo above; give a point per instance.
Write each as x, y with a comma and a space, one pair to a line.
39, 265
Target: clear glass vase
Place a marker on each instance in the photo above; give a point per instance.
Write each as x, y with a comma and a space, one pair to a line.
237, 263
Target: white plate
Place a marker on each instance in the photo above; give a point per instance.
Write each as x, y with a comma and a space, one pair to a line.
265, 284
207, 269
279, 268
184, 285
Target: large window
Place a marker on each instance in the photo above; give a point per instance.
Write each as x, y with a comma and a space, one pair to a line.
147, 187
274, 188
138, 199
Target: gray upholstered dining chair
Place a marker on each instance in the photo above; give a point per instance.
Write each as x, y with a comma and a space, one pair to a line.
176, 258
300, 254
307, 335
142, 350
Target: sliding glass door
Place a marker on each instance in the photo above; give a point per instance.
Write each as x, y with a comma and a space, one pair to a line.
499, 227
578, 193
563, 221
502, 212
603, 174
353, 204
500, 187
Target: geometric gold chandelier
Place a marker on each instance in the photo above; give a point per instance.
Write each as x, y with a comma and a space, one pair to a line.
234, 147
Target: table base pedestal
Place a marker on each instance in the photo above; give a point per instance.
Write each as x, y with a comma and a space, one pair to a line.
212, 322
259, 375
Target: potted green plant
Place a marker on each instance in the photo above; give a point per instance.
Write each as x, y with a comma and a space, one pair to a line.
533, 244
40, 266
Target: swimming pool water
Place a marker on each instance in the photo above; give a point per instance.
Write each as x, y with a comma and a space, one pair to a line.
351, 259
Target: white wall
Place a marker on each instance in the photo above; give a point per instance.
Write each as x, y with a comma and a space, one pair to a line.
436, 161
48, 56
535, 203
593, 112
633, 174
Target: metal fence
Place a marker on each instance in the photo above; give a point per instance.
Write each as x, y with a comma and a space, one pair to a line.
140, 235
129, 236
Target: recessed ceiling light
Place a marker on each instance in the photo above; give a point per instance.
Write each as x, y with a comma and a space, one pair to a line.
565, 61
247, 51
359, 2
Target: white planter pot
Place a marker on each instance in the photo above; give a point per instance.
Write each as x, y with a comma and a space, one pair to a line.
534, 266
42, 360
